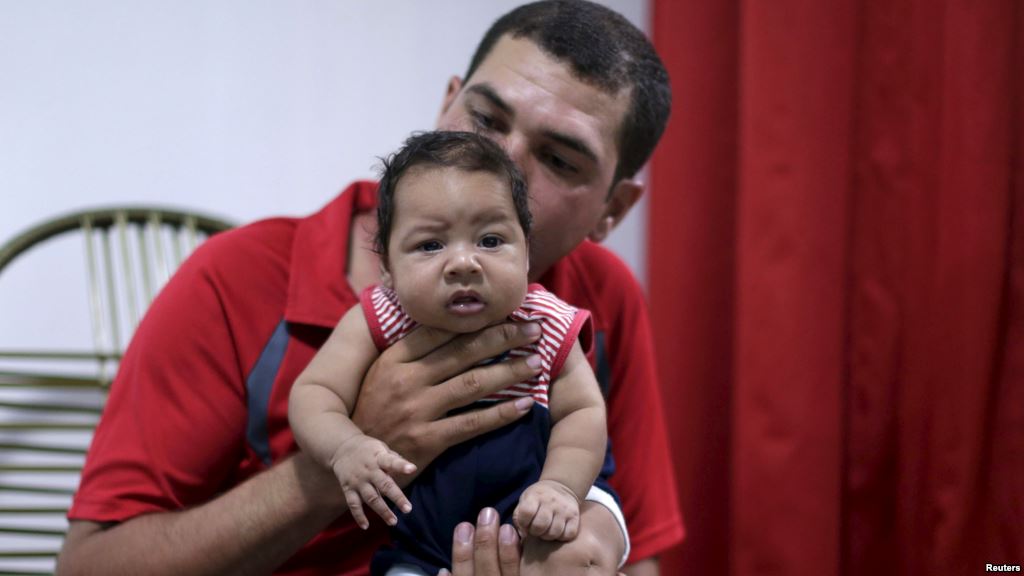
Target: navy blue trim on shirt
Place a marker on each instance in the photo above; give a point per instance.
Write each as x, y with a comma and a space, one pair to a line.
258, 386
604, 381
604, 370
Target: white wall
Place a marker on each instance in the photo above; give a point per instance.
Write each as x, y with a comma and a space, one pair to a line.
243, 109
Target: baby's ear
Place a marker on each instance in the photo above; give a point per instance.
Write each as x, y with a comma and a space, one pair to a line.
385, 276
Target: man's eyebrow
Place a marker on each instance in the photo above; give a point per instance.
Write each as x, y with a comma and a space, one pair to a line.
572, 143
484, 89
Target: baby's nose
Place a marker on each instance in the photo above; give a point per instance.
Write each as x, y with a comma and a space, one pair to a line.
462, 263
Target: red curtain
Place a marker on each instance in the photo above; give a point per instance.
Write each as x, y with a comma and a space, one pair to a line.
837, 273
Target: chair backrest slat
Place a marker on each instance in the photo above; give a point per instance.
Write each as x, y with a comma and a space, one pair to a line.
127, 269
47, 414
177, 251
95, 295
189, 230
159, 249
114, 322
144, 258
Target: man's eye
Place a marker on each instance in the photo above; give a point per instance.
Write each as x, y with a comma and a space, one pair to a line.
491, 241
559, 164
484, 121
429, 246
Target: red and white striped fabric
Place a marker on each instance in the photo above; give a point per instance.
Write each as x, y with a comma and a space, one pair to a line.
561, 324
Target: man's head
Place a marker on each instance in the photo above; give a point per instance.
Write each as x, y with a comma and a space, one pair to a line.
578, 98
452, 230
604, 50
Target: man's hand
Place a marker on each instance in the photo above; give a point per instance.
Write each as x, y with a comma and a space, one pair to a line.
595, 551
366, 467
548, 510
485, 550
410, 388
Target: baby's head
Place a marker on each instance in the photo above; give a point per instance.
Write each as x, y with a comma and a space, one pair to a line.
452, 228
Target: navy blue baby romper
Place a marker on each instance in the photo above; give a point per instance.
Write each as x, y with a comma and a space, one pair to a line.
494, 468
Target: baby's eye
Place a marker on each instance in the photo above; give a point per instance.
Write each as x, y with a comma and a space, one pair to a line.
429, 246
491, 241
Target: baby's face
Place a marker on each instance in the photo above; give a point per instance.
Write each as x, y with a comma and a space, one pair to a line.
457, 256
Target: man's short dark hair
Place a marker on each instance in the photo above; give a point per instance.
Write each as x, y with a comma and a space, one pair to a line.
465, 151
605, 50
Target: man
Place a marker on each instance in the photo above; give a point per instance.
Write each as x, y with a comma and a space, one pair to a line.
193, 469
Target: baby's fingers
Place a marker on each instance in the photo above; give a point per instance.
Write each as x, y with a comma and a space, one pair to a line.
541, 522
387, 487
355, 506
376, 503
524, 514
572, 528
556, 531
389, 461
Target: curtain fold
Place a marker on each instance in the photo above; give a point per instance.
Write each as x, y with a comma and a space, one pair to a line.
836, 244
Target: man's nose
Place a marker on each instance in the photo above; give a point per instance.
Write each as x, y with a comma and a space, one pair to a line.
462, 263
517, 148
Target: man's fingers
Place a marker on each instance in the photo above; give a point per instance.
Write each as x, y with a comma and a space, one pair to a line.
485, 543
508, 551
485, 550
461, 427
462, 550
418, 343
465, 351
480, 382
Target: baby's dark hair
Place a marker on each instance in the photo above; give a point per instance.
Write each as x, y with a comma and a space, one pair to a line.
466, 151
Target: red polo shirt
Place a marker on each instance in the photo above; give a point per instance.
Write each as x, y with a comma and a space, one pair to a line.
200, 401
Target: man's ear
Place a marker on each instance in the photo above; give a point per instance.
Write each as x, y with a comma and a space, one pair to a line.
623, 197
451, 92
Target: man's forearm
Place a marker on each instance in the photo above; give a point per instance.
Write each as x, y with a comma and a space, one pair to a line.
251, 529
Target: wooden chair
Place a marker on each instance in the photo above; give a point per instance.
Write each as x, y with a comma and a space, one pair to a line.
50, 398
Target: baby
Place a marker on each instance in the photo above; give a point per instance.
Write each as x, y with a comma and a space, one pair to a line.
453, 226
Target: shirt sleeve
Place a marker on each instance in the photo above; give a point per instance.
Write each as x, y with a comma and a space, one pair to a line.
644, 478
562, 325
172, 433
387, 321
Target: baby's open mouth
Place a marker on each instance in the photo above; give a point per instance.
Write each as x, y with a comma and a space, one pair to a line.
465, 303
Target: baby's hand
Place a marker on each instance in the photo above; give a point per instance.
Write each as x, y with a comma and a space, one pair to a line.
548, 510
364, 466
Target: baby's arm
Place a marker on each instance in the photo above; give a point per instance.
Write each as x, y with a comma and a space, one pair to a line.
549, 509
318, 412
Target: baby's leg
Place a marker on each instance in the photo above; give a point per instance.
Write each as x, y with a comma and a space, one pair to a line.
596, 551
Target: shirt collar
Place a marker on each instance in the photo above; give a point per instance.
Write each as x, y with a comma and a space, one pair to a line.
318, 288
